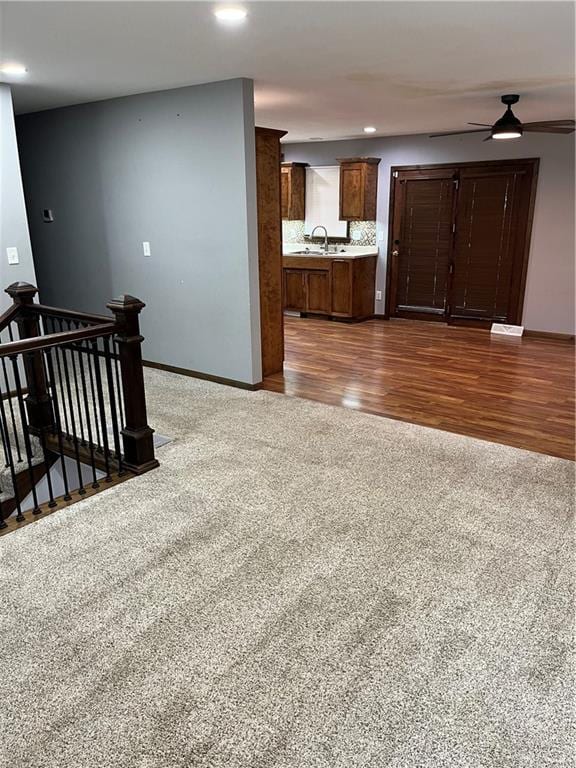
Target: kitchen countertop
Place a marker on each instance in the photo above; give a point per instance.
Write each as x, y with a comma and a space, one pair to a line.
344, 252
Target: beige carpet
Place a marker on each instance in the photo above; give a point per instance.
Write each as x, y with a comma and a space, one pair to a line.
297, 586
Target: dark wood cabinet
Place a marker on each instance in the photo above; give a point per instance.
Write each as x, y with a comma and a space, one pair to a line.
318, 291
342, 288
307, 290
358, 188
295, 289
293, 191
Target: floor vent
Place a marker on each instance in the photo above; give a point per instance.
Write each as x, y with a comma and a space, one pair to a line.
507, 330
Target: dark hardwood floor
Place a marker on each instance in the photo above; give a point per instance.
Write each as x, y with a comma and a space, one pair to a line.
514, 391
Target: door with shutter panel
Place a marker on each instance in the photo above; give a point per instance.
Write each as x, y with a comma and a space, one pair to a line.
423, 243
491, 227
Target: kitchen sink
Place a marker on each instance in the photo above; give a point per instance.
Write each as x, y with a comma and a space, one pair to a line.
307, 253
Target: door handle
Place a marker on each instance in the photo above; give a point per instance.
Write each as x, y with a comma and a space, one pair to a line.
395, 253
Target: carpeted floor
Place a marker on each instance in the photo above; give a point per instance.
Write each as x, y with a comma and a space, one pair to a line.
298, 586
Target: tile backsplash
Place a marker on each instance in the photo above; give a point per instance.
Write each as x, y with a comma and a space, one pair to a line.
292, 231
361, 232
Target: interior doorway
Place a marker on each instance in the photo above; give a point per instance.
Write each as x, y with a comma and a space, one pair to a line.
459, 241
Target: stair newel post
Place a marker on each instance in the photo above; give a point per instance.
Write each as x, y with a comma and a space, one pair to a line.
38, 401
137, 436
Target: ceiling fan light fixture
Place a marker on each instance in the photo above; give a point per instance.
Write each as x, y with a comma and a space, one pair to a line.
507, 133
508, 127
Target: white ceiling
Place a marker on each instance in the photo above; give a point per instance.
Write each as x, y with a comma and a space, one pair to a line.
321, 69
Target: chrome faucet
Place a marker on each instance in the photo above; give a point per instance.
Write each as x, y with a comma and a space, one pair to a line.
325, 236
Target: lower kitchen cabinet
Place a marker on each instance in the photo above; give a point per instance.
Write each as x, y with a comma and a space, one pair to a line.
295, 289
318, 291
340, 288
307, 290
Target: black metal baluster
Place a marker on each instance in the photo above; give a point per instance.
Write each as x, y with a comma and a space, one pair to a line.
95, 483
5, 439
11, 409
57, 419
101, 406
51, 500
8, 391
26, 435
19, 515
77, 388
113, 411
60, 381
118, 387
49, 383
3, 523
81, 489
93, 392
45, 452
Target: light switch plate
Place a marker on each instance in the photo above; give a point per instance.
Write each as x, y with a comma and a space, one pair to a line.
380, 235
12, 254
146, 248
378, 295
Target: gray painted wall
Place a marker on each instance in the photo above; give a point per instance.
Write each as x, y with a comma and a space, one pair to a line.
13, 222
549, 300
175, 168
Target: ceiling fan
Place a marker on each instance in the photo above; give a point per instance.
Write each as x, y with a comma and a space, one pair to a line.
509, 127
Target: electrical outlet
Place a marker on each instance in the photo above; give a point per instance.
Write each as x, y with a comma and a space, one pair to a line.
12, 254
146, 248
378, 295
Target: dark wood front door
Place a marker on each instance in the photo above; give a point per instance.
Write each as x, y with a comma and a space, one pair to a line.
422, 248
459, 241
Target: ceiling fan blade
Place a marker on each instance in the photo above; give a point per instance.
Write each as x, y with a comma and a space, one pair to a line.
486, 125
457, 133
548, 128
559, 123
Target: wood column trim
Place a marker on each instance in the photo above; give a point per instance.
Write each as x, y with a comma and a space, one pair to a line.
268, 194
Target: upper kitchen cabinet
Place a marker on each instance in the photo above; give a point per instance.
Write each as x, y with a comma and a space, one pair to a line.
293, 191
358, 188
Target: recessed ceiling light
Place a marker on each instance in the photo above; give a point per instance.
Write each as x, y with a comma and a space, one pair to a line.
16, 70
231, 13
369, 129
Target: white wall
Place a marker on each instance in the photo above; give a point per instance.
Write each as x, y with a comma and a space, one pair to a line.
549, 299
13, 222
175, 168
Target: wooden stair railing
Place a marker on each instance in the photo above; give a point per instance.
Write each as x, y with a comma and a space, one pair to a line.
71, 395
